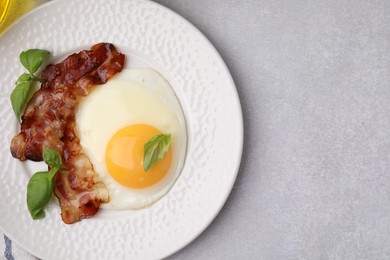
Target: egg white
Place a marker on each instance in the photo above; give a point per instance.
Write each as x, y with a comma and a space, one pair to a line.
134, 96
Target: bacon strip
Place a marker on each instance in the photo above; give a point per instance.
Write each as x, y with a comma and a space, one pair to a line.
49, 121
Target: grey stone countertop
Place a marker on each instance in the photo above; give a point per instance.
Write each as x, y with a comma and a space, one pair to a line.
314, 83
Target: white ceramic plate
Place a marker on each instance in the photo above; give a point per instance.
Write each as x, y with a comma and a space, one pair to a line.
153, 36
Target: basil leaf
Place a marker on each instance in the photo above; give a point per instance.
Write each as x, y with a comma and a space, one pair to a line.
41, 185
39, 191
19, 97
32, 59
24, 77
51, 157
39, 215
53, 172
155, 148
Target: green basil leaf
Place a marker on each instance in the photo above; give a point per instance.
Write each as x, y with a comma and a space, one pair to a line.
24, 77
39, 191
19, 97
53, 172
155, 148
39, 215
51, 157
32, 59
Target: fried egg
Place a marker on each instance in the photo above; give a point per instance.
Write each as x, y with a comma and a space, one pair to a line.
115, 121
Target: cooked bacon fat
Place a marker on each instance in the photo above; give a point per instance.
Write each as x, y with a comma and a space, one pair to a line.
49, 121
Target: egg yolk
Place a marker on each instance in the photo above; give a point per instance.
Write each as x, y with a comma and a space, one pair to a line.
125, 153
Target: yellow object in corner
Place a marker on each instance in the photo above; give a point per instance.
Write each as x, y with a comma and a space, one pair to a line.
11, 10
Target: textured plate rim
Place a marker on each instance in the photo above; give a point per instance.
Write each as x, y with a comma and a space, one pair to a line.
240, 124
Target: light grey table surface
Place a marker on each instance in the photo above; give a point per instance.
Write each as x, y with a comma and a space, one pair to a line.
314, 83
